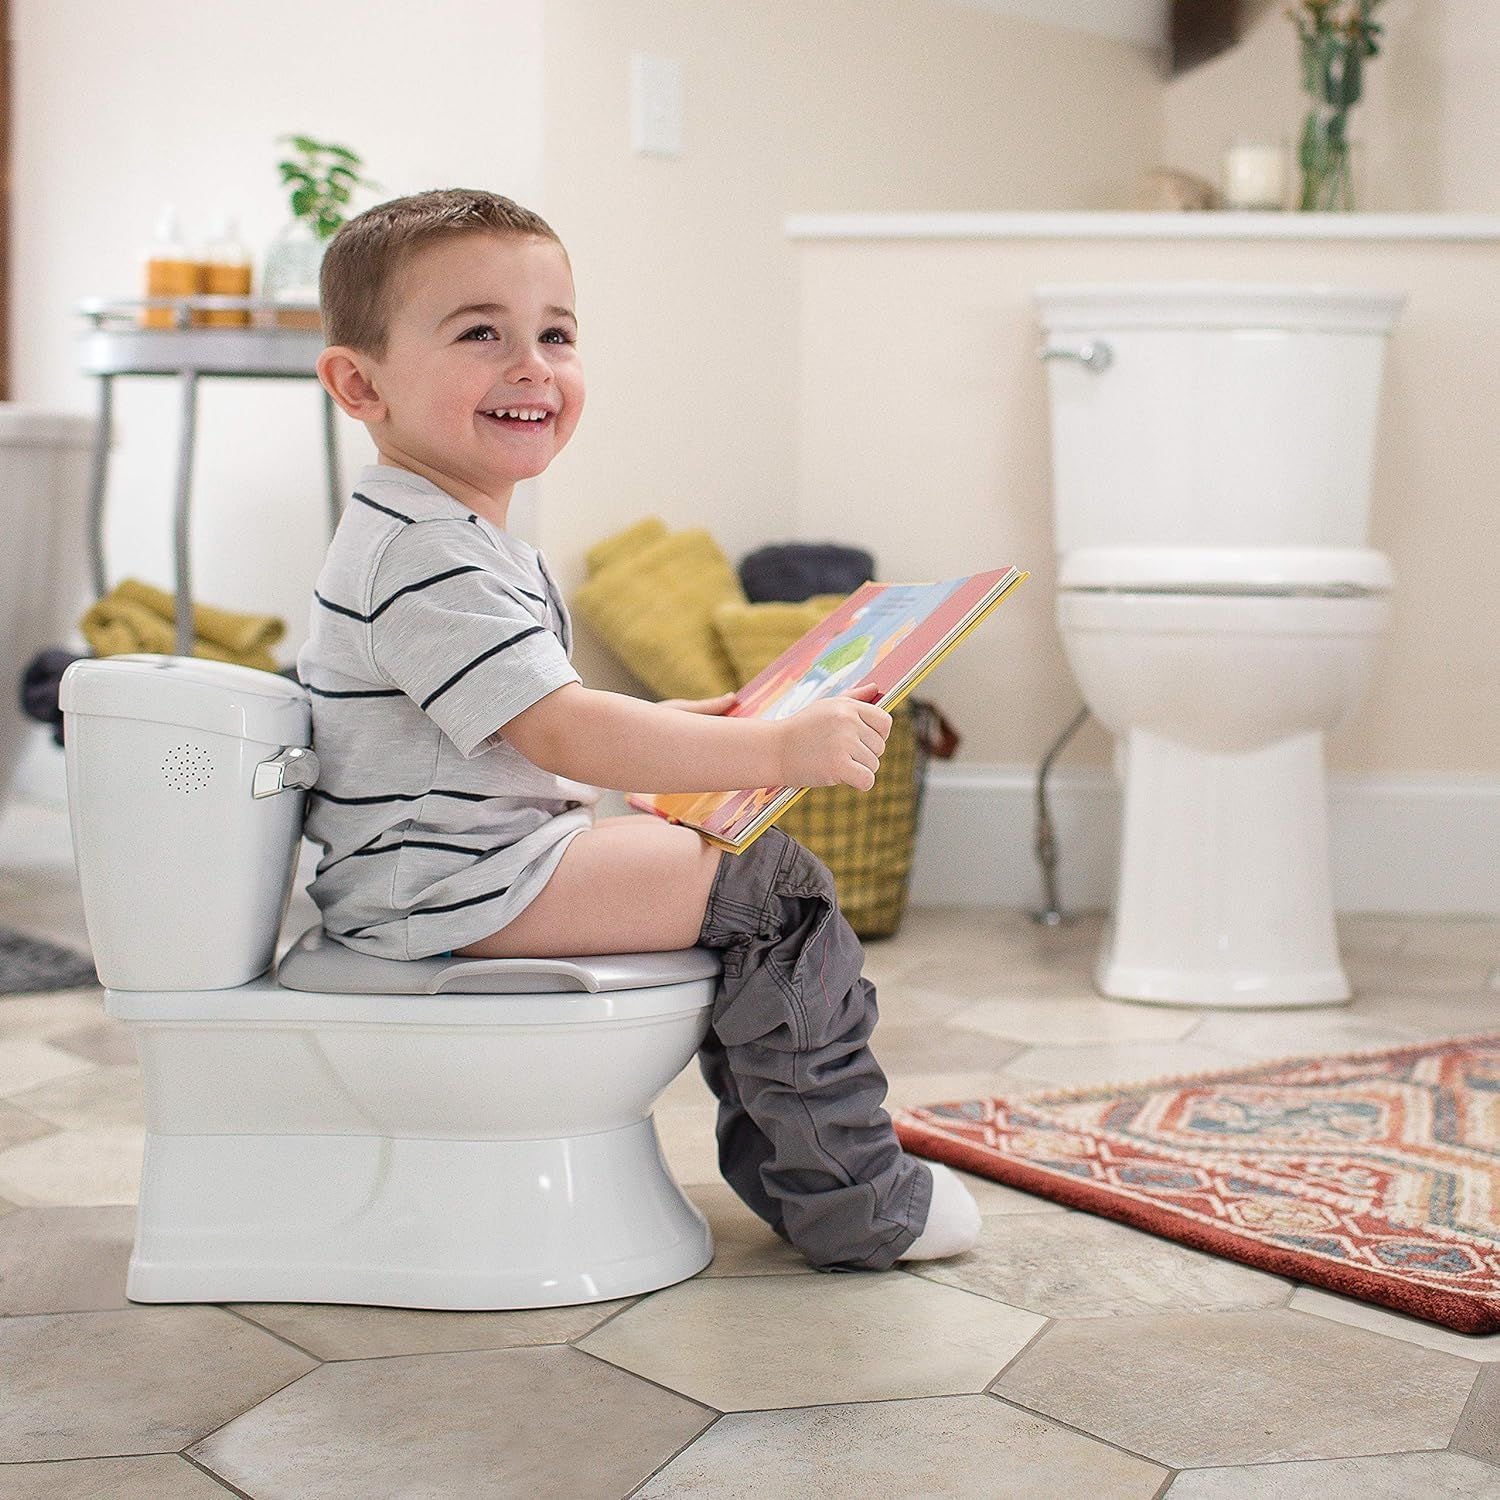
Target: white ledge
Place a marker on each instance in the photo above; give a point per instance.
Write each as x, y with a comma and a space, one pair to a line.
1143, 226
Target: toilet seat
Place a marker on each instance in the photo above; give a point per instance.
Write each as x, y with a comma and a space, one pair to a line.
1271, 572
320, 980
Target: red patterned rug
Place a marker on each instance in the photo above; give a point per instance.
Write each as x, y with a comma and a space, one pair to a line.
1374, 1174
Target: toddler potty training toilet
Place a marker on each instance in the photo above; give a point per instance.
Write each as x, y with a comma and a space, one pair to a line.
443, 1133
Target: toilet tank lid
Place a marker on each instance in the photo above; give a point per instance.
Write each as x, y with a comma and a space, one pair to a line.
321, 964
213, 696
1229, 570
1098, 307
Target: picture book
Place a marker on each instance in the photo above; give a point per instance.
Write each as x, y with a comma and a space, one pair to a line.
888, 634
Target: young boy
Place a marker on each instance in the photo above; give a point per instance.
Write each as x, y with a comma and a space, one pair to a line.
460, 752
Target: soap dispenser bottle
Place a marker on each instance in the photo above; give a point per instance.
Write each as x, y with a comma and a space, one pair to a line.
225, 272
170, 271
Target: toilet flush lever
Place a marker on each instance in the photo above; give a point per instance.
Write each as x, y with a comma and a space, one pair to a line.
293, 767
1094, 354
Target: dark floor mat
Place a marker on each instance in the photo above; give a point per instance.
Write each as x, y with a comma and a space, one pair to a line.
29, 965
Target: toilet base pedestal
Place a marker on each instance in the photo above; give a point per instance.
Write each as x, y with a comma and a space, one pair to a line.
401, 1222
1224, 897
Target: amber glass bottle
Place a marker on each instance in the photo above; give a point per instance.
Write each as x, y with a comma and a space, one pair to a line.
170, 271
225, 272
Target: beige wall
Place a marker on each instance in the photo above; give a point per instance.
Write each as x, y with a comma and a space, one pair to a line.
120, 108
686, 283
924, 431
1427, 131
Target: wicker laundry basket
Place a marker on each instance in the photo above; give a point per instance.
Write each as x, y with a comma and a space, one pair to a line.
867, 839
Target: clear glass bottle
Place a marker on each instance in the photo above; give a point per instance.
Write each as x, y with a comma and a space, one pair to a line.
290, 278
168, 270
225, 273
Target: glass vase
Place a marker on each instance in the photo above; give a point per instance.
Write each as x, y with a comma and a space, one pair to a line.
290, 276
1325, 156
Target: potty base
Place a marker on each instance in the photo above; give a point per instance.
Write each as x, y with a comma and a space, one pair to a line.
442, 1224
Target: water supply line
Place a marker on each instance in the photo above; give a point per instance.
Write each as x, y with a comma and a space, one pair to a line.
1045, 843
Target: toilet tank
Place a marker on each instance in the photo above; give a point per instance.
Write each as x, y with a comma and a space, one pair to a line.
1213, 414
186, 784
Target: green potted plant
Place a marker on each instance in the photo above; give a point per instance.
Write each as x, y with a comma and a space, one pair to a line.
1336, 41
322, 180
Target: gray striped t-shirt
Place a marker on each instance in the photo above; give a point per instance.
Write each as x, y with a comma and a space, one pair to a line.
431, 629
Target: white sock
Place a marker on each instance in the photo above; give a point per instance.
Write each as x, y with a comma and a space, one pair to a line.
952, 1218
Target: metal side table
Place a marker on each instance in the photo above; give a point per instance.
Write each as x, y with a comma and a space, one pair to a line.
115, 344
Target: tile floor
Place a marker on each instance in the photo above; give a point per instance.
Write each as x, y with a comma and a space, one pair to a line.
1066, 1357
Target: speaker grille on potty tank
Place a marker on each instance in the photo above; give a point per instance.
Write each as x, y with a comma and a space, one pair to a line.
187, 768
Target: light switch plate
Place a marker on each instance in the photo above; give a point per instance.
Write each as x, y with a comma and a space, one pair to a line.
655, 105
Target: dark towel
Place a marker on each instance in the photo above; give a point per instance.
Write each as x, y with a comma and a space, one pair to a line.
793, 571
39, 687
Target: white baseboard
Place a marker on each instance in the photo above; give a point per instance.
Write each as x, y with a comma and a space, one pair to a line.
1398, 843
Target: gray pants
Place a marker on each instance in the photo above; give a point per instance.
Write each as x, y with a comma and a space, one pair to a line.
802, 1135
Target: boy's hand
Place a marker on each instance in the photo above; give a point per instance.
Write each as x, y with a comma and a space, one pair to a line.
720, 705
835, 741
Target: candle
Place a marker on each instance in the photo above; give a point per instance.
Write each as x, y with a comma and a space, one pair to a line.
1254, 175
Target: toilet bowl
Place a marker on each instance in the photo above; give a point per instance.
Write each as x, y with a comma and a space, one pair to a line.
1212, 454
1219, 671
441, 1133
44, 483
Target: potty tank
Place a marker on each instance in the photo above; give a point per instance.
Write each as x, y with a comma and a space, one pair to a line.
185, 796
1221, 414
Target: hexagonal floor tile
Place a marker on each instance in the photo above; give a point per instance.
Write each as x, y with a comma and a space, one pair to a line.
1485, 1348
97, 1384
771, 1341
1395, 1476
941, 1448
101, 1096
744, 1245
75, 1167
1268, 1036
55, 1260
1078, 1266
1209, 1389
1432, 1015
25, 1064
161, 1476
1416, 973
107, 1042
1479, 1431
1057, 1018
1452, 937
17, 1126
336, 1332
44, 1017
1052, 1067
939, 1049
481, 1425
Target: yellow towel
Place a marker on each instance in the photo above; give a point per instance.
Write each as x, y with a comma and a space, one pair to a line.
624, 544
754, 635
136, 617
652, 604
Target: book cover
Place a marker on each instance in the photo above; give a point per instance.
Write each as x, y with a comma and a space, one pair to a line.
888, 634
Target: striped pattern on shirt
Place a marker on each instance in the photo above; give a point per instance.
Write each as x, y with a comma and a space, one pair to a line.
431, 629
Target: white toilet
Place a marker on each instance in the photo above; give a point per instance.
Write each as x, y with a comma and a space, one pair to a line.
1212, 447
444, 1133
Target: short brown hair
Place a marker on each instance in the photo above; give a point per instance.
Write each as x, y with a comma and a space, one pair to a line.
366, 255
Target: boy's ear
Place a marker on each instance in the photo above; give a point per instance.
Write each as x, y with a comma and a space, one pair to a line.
346, 378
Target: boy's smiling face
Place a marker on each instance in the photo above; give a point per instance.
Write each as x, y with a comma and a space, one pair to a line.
480, 385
